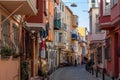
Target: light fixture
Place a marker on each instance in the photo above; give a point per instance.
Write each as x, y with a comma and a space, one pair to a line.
73, 5
32, 31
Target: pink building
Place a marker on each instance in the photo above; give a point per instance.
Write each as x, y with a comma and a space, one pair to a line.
110, 21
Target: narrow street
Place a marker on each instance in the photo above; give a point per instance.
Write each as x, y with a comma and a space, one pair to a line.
72, 73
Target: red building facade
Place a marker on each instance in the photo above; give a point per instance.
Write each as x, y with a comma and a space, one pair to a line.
110, 21
40, 17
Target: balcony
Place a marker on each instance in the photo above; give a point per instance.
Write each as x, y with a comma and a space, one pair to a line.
74, 36
75, 21
57, 24
60, 45
63, 26
105, 22
22, 7
105, 18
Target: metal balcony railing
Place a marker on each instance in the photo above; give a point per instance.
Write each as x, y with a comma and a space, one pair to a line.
57, 24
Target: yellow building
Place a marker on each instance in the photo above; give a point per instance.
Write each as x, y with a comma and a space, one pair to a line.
82, 31
83, 43
74, 39
68, 22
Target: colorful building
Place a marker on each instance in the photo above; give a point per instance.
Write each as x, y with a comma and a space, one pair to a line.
109, 21
68, 22
82, 44
37, 26
74, 38
97, 38
11, 36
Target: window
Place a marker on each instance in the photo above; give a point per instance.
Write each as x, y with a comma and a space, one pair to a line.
106, 10
97, 28
99, 49
55, 13
60, 37
15, 36
63, 8
108, 49
5, 32
113, 2
60, 5
90, 24
93, 5
37, 5
83, 50
92, 1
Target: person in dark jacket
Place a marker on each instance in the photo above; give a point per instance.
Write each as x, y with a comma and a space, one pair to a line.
75, 62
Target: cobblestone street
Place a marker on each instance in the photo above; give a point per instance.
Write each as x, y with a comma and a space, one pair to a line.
72, 73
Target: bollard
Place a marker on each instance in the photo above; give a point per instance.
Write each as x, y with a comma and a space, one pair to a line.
92, 71
96, 73
113, 78
103, 74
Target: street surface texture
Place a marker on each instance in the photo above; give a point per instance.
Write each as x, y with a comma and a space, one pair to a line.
72, 73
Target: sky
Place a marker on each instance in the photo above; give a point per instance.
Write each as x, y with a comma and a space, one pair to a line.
81, 10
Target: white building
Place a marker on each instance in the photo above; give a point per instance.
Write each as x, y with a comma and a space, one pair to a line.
97, 36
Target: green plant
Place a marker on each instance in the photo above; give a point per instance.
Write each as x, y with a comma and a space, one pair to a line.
5, 51
24, 70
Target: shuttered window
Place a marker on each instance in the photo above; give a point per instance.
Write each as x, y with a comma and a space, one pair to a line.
5, 32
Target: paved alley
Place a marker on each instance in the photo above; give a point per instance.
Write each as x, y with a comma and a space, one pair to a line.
72, 73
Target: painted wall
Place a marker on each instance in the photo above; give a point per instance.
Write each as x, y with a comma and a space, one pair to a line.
51, 20
9, 69
82, 31
68, 22
115, 12
40, 17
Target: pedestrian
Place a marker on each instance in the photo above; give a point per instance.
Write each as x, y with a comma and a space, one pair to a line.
75, 62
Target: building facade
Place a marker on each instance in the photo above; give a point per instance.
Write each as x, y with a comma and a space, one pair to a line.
11, 36
97, 38
109, 21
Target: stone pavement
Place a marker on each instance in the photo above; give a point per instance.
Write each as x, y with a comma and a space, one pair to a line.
72, 73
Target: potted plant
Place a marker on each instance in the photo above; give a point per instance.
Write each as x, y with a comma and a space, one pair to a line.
24, 70
5, 52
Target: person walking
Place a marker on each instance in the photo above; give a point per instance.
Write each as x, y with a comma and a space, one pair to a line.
75, 62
